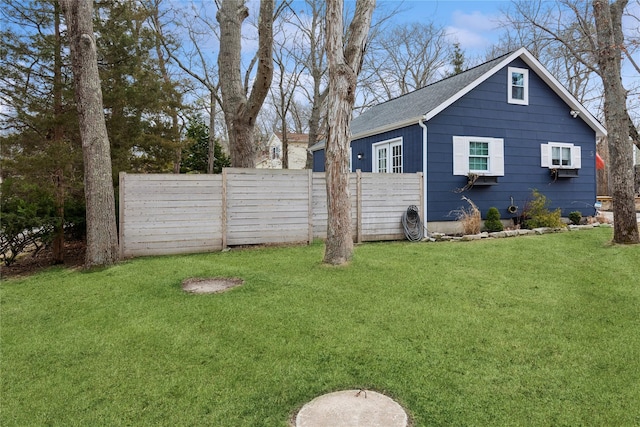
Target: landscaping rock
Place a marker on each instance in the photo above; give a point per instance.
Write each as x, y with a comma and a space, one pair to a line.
469, 237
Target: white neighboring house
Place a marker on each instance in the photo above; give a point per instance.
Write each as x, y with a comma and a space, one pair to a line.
297, 150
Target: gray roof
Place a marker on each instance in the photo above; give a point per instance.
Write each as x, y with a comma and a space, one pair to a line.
420, 102
432, 99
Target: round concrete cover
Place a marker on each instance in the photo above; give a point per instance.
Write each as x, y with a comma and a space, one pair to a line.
352, 408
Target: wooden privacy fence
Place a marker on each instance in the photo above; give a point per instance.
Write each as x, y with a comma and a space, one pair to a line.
163, 214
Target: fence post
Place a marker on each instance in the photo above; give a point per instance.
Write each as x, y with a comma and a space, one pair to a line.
310, 205
423, 205
121, 222
224, 209
359, 205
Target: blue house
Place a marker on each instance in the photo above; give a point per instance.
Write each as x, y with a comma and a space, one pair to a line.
492, 133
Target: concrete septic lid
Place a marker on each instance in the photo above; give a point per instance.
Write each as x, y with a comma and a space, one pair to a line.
352, 408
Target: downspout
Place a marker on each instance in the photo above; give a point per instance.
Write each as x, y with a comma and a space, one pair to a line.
423, 125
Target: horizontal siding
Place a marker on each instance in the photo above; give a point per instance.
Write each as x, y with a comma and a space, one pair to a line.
175, 214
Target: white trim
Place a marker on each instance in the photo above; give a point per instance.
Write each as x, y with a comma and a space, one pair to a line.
542, 72
525, 86
546, 155
387, 128
390, 143
534, 65
461, 155
425, 181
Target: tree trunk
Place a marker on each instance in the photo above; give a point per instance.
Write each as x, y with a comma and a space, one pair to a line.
609, 33
602, 175
345, 62
102, 236
241, 112
58, 140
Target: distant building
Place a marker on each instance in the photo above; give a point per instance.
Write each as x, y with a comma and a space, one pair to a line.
271, 157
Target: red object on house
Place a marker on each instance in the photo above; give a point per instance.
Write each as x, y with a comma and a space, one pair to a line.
599, 162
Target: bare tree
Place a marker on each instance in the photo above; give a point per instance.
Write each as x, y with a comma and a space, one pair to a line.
345, 63
311, 45
194, 60
288, 79
240, 107
405, 58
608, 19
102, 236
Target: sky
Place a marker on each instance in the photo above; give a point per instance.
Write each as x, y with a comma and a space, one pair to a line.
475, 25
472, 23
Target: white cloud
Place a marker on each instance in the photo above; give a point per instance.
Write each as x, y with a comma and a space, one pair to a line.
472, 30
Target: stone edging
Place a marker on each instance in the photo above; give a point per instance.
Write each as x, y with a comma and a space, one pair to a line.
441, 237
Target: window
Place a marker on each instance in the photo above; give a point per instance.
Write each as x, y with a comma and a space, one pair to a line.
275, 152
518, 85
387, 156
478, 155
560, 155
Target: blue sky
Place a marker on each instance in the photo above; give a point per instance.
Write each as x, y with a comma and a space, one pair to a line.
472, 23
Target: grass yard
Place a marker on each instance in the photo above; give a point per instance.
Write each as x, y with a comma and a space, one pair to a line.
528, 331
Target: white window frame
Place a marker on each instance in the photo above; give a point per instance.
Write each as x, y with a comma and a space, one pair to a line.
546, 151
461, 155
388, 145
525, 76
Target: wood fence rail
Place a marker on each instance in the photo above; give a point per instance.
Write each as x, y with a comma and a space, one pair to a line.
162, 214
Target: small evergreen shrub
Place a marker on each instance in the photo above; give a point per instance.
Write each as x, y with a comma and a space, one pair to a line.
493, 223
538, 214
575, 217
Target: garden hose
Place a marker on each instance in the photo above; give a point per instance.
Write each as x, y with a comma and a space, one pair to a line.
413, 227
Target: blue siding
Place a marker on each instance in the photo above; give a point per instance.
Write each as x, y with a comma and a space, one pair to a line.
318, 161
485, 112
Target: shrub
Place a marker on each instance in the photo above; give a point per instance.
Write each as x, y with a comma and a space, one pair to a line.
493, 223
575, 217
538, 214
469, 217
26, 220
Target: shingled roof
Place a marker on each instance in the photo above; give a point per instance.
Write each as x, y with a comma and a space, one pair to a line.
417, 104
427, 102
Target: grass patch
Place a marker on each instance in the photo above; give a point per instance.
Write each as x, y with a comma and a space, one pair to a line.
539, 330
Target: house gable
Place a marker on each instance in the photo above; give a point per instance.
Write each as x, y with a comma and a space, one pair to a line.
474, 108
485, 112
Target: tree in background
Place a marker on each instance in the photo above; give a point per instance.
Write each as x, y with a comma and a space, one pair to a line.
195, 156
313, 58
102, 235
240, 106
345, 62
190, 55
139, 100
402, 59
457, 60
40, 143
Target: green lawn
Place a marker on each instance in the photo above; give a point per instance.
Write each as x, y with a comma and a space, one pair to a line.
530, 331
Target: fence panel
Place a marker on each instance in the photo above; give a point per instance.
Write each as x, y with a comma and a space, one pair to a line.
267, 206
385, 197
172, 214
